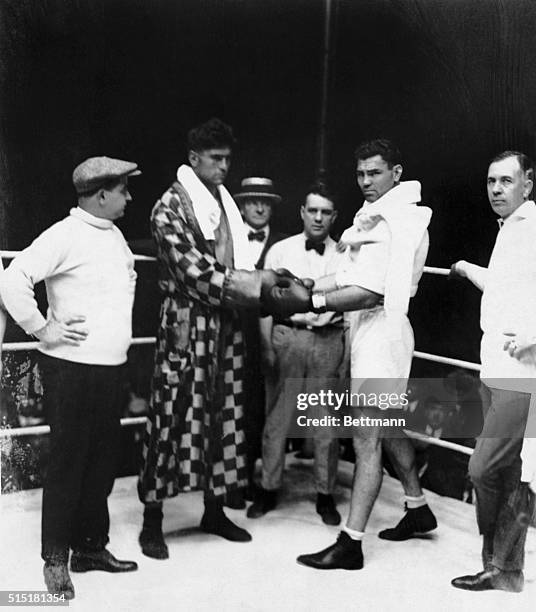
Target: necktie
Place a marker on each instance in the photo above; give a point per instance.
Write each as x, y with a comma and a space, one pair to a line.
319, 247
259, 236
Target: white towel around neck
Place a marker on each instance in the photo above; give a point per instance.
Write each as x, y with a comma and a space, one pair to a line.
208, 213
407, 223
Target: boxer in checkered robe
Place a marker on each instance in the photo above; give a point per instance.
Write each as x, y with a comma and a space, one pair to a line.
194, 438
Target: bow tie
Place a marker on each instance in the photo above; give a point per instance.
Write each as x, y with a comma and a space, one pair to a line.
319, 247
260, 236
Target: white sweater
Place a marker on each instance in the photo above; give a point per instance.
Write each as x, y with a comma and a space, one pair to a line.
88, 270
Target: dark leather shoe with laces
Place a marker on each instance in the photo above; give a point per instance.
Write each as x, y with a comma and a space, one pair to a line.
152, 543
491, 579
103, 560
58, 580
221, 526
416, 521
344, 554
325, 506
266, 501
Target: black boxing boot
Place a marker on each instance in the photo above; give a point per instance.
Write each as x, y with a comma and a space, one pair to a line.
151, 538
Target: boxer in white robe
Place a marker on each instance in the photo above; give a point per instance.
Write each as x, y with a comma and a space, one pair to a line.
385, 251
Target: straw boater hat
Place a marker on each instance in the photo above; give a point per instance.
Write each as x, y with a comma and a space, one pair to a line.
255, 187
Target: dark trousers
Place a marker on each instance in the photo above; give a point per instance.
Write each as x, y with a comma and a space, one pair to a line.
254, 392
504, 504
82, 404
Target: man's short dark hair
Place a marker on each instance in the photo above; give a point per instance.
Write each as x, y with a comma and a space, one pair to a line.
525, 162
213, 134
381, 146
321, 187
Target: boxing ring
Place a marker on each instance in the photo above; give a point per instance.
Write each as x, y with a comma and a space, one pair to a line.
206, 573
128, 421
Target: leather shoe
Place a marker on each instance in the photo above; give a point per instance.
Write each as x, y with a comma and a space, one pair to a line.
491, 579
152, 543
221, 526
344, 554
416, 521
325, 506
58, 580
252, 492
266, 501
103, 560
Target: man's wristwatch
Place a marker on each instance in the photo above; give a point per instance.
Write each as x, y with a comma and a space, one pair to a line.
318, 302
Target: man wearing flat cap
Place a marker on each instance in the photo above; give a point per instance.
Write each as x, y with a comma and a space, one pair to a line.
256, 199
89, 275
195, 431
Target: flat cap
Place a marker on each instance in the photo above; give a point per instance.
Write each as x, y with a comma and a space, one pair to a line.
97, 171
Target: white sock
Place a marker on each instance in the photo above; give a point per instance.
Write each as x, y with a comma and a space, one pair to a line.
415, 502
355, 535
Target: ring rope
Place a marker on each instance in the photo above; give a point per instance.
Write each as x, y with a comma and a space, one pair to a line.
44, 429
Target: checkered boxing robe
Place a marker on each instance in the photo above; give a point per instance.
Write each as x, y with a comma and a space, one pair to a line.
194, 437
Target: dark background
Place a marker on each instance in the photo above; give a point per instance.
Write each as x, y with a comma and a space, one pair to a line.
451, 81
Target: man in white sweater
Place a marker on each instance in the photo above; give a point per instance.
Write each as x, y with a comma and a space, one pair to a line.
89, 275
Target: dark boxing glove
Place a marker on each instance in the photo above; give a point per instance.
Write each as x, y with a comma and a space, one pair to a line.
287, 297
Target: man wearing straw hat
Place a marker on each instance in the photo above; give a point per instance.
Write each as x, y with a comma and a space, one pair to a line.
256, 199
